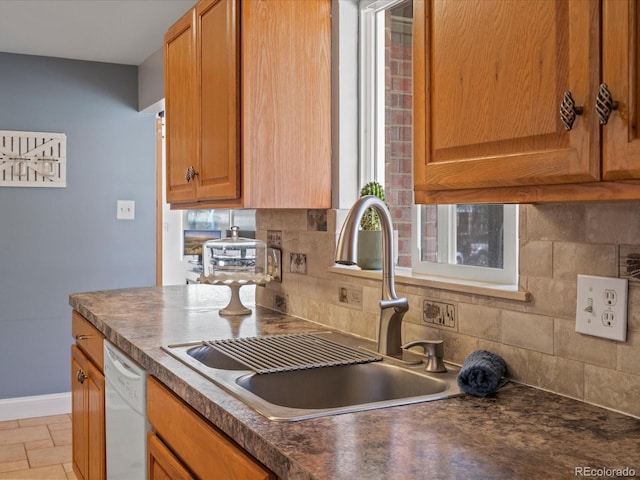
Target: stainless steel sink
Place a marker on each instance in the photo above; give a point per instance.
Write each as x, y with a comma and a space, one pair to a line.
344, 386
308, 393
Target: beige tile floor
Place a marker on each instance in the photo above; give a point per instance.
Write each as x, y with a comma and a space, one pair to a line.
36, 448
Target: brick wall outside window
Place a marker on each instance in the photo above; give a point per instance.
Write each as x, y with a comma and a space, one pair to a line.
399, 125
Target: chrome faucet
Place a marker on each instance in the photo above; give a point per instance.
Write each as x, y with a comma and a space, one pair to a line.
392, 307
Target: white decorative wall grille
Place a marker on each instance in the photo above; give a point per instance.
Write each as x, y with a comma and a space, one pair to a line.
33, 159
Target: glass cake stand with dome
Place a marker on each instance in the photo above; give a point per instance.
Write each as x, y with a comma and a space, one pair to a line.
235, 262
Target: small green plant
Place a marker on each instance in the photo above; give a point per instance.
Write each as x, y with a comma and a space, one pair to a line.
370, 220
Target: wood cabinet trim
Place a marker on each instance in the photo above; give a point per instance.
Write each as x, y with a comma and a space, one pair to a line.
591, 192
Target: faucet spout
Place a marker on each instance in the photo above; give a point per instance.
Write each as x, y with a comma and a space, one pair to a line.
392, 307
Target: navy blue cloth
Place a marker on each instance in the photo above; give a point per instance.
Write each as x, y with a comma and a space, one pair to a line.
482, 373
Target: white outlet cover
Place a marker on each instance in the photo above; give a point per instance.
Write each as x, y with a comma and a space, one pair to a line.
601, 308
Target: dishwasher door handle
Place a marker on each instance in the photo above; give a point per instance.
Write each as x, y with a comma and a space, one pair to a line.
122, 367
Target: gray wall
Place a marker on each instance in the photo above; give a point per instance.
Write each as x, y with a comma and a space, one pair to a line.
54, 241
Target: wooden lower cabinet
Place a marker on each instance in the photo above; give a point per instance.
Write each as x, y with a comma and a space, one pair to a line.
87, 400
87, 410
183, 445
162, 464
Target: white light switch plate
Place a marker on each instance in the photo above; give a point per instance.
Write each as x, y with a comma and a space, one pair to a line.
601, 308
126, 210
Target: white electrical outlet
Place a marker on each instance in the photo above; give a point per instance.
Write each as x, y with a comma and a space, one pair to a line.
602, 307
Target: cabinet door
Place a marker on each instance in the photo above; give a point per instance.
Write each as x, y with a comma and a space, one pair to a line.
620, 71
96, 411
181, 108
490, 76
214, 455
80, 425
87, 399
162, 464
217, 65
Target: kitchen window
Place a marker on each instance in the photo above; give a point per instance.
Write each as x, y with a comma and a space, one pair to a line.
474, 242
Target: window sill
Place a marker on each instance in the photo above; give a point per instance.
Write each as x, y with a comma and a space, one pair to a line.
404, 276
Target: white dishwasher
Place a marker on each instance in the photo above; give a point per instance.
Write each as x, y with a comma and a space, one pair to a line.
125, 416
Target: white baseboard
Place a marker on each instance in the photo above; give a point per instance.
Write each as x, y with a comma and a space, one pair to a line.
36, 406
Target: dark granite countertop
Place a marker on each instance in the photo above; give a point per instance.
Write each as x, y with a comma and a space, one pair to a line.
520, 432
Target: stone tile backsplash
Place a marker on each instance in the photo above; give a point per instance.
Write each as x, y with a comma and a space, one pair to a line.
537, 339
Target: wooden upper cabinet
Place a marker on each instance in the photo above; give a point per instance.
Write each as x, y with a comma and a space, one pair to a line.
489, 81
251, 111
180, 108
286, 108
620, 72
494, 75
201, 102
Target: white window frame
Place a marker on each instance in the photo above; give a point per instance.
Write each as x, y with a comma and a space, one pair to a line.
446, 264
371, 164
372, 117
